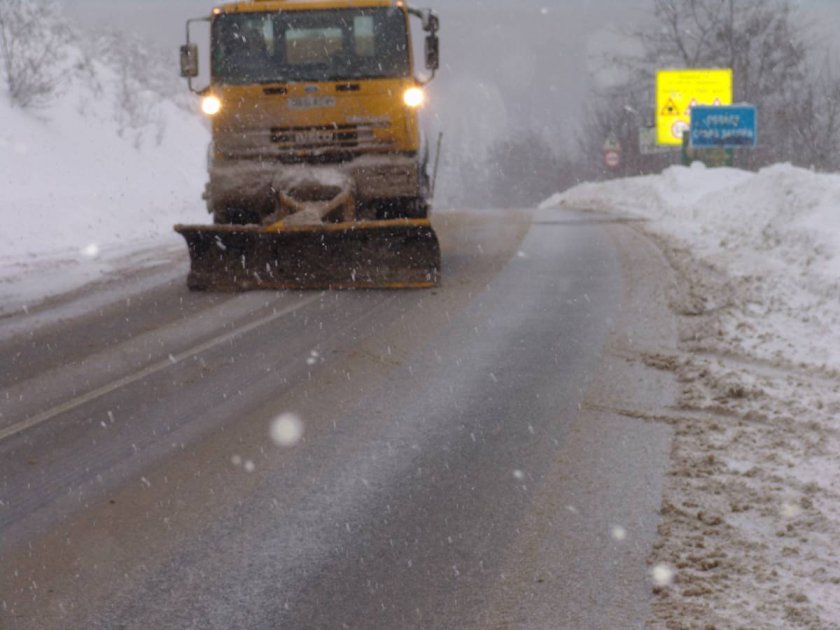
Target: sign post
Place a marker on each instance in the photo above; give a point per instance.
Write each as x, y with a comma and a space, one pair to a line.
712, 158
612, 152
648, 144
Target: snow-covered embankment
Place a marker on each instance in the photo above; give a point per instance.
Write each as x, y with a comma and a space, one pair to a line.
101, 172
751, 515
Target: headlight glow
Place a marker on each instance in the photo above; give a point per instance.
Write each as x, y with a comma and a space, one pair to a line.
211, 105
414, 97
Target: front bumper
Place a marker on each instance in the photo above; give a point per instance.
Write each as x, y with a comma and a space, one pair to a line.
253, 185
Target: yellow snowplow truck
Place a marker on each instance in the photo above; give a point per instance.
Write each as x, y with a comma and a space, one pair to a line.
317, 174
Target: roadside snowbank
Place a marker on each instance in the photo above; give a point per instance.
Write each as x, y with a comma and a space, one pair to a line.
776, 233
104, 171
751, 512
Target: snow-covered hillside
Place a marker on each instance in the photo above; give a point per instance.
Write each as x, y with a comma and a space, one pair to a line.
105, 169
751, 512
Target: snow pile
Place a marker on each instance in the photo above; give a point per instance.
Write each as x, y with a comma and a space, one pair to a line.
751, 512
104, 170
775, 234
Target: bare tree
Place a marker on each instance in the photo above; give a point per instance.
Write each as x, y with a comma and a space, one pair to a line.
523, 169
759, 39
31, 50
619, 117
812, 116
144, 82
763, 41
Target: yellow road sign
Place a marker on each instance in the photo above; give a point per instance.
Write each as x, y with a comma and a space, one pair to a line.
677, 91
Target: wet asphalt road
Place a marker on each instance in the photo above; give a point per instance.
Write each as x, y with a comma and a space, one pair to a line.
140, 488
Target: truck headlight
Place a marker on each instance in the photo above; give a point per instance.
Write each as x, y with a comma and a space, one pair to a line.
414, 97
211, 105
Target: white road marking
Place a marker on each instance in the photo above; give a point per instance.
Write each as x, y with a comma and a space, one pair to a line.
169, 361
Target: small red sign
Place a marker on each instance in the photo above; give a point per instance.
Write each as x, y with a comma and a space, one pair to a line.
612, 159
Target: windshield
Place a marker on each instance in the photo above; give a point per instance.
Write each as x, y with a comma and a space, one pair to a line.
310, 46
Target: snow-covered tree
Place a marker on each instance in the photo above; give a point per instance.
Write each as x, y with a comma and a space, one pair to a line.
32, 40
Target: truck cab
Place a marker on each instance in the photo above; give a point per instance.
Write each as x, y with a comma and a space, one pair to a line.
305, 92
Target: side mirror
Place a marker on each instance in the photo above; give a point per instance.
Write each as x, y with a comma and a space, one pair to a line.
432, 52
430, 21
189, 61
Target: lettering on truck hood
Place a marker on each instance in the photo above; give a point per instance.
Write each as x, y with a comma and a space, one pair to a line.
373, 121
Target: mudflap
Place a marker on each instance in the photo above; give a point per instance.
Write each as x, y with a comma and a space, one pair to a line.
393, 254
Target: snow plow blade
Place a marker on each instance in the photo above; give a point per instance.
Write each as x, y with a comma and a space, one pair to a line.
392, 254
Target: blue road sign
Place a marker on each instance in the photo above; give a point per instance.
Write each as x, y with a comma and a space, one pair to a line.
727, 127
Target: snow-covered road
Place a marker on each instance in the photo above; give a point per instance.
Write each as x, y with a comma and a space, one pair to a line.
460, 464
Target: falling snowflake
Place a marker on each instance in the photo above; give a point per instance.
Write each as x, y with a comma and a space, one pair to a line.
286, 430
662, 574
789, 510
91, 251
618, 532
